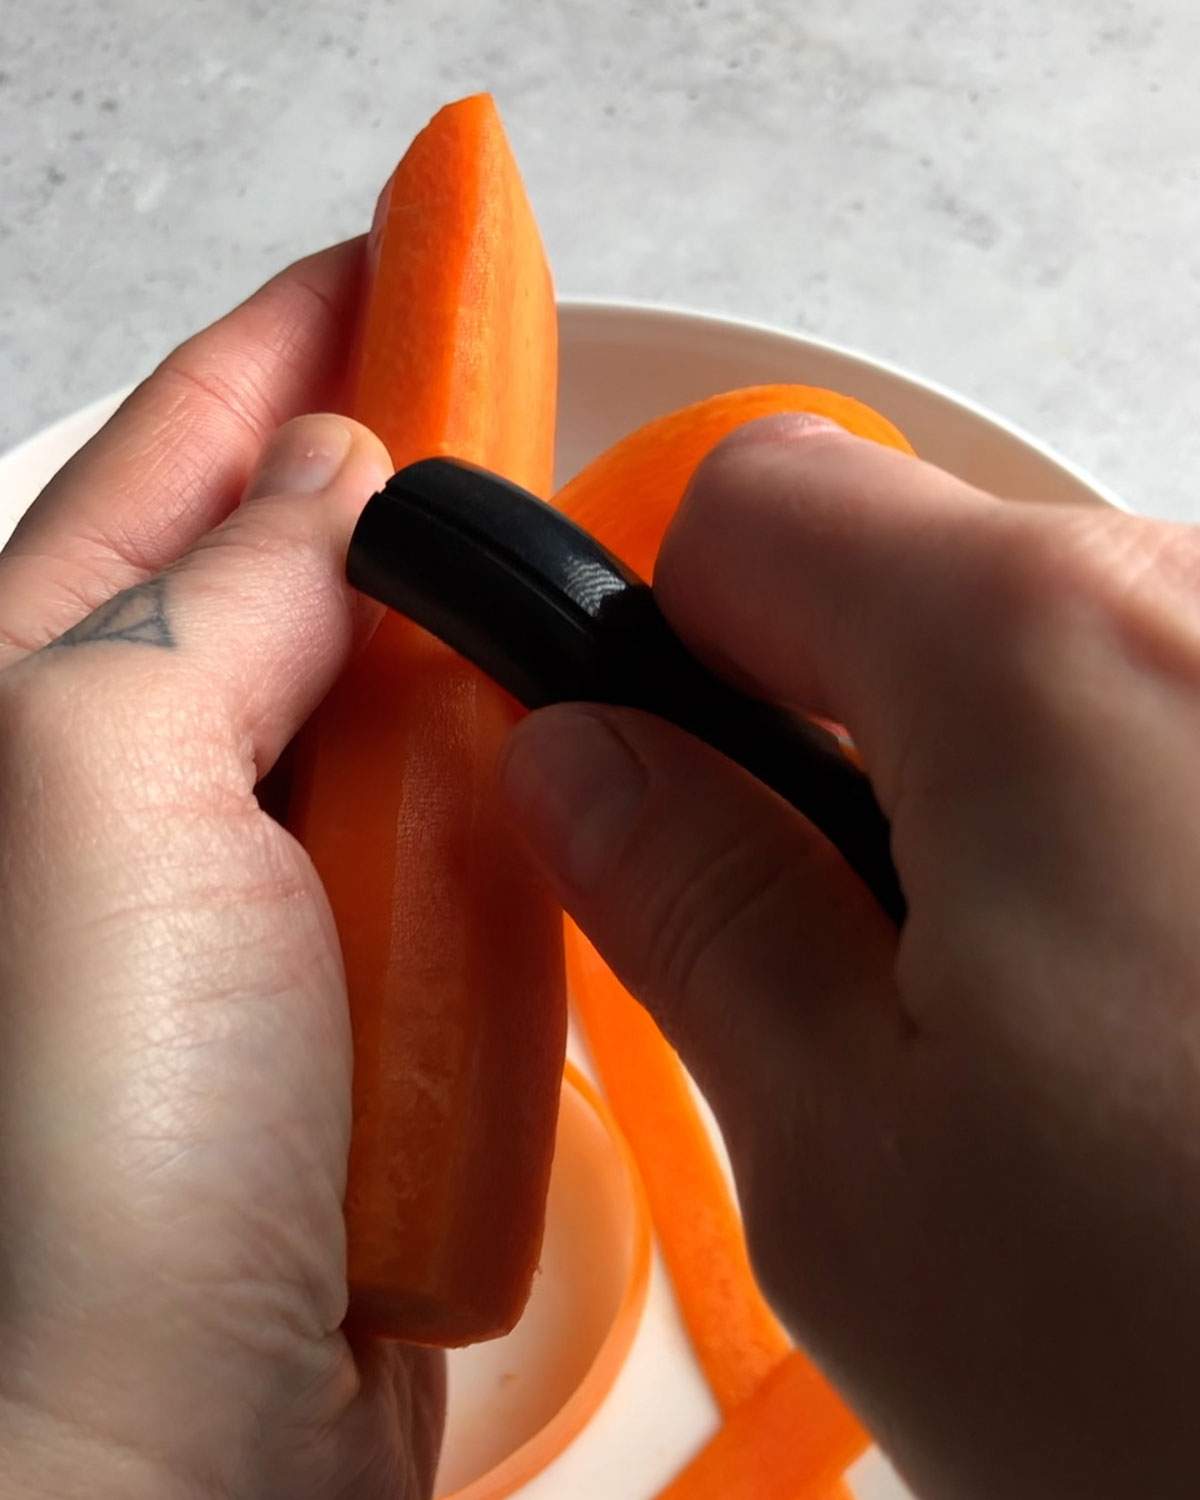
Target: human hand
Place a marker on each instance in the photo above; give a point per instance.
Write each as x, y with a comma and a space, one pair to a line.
174, 1044
968, 1154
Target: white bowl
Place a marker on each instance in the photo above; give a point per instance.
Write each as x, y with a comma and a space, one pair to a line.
622, 364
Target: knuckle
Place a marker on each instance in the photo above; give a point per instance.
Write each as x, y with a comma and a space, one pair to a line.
276, 533
706, 918
1078, 568
1047, 570
244, 401
1160, 587
1055, 585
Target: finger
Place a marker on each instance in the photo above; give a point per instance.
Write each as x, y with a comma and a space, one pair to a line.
829, 573
389, 1442
760, 954
174, 459
232, 647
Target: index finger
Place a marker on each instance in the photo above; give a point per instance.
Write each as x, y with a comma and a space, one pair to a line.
830, 574
173, 461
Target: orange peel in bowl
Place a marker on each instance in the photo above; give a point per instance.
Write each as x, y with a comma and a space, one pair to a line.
517, 1403
627, 496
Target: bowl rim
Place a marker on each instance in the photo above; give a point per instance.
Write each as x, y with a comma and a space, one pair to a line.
538, 1452
680, 314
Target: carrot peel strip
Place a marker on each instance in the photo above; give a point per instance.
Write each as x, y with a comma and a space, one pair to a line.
737, 1338
627, 495
790, 1441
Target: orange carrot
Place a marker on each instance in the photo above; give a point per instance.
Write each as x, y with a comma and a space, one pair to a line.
737, 1337
459, 349
739, 1342
790, 1441
452, 951
628, 495
518, 1468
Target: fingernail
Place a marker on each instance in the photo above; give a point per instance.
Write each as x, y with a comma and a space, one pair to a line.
576, 788
782, 427
303, 457
778, 430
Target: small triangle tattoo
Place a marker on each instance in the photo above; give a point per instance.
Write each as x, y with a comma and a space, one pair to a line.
135, 615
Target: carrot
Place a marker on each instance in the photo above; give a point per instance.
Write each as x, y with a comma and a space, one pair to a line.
628, 495
790, 1441
739, 1342
453, 952
519, 1467
459, 349
737, 1338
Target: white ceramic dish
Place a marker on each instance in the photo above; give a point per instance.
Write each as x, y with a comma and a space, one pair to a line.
622, 364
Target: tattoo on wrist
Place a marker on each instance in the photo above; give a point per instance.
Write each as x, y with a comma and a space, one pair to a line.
137, 615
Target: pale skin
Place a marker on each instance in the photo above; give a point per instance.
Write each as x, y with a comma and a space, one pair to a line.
969, 1155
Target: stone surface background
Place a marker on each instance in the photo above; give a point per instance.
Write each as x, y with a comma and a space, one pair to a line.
1005, 196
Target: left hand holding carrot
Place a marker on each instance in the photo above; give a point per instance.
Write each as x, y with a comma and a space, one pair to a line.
175, 1055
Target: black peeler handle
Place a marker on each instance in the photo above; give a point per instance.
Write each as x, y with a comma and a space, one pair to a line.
548, 613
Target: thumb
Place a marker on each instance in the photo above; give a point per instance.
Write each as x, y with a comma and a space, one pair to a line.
758, 951
211, 667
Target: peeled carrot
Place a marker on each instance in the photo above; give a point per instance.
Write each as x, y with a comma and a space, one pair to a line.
458, 352
628, 495
519, 1467
453, 952
790, 1441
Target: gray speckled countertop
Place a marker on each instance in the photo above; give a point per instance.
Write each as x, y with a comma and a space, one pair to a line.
1005, 197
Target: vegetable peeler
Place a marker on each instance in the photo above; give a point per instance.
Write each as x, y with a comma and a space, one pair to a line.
552, 616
